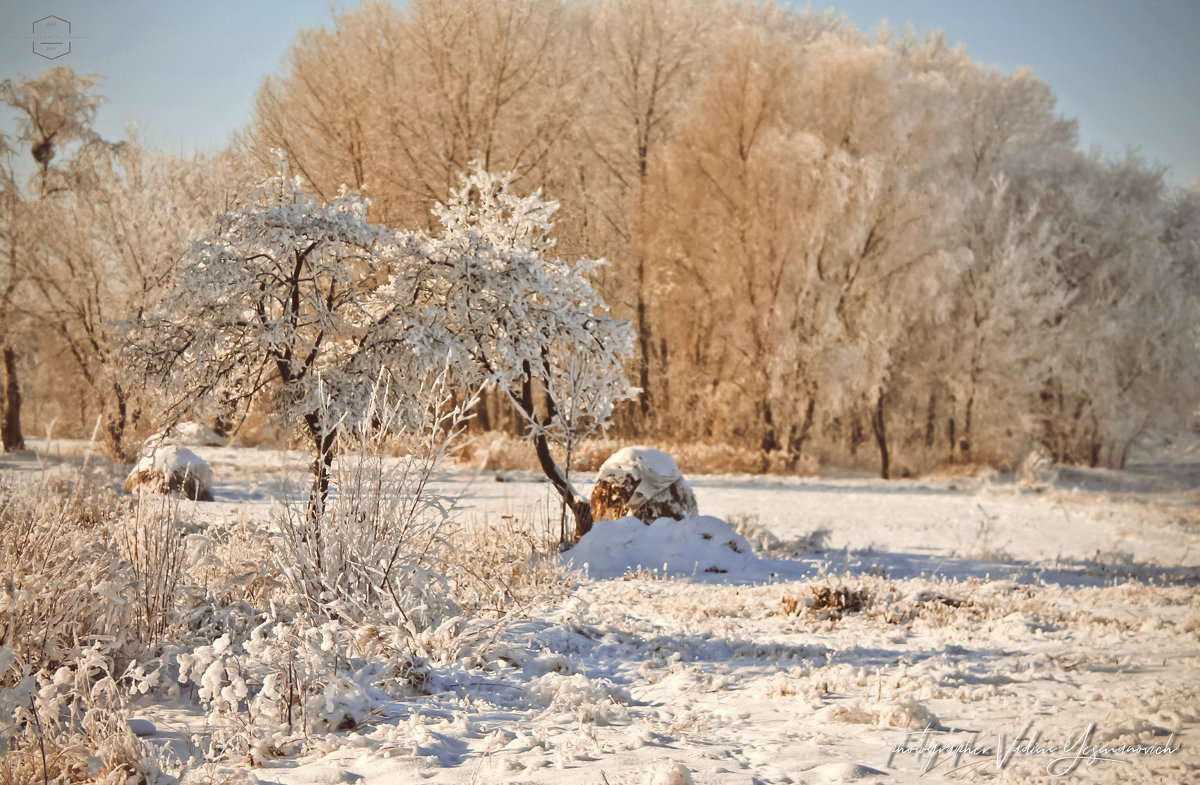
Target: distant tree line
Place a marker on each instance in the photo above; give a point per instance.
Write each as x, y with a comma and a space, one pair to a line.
833, 246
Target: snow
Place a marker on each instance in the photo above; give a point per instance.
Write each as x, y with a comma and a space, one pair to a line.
990, 613
668, 547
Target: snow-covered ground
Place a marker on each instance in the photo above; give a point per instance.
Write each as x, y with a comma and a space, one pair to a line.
878, 631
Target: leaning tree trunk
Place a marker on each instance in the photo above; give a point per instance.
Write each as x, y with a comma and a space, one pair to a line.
10, 429
580, 508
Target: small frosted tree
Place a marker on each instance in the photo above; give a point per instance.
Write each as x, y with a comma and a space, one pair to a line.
532, 324
314, 308
280, 303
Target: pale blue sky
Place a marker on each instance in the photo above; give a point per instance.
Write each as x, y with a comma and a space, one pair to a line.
186, 72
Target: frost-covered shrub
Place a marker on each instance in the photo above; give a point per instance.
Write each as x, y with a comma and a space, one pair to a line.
151, 541
592, 701
65, 582
348, 611
376, 551
512, 563
289, 680
88, 581
68, 725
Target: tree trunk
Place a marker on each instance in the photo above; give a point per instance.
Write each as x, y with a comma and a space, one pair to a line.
797, 438
878, 425
115, 427
964, 444
579, 506
931, 420
483, 419
322, 466
11, 427
770, 441
643, 333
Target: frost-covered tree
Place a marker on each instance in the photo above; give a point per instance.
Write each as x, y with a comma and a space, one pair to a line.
54, 113
280, 302
104, 249
11, 279
54, 110
313, 307
806, 199
648, 54
1129, 324
398, 99
531, 321
998, 335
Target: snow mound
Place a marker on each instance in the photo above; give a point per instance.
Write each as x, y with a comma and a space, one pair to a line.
902, 713
642, 482
169, 469
670, 772
696, 545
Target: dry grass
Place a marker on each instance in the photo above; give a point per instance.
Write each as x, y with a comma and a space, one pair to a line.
826, 601
502, 452
74, 614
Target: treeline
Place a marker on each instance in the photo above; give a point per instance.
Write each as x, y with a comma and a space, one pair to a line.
834, 246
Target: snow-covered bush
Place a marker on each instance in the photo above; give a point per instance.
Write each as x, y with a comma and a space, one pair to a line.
64, 579
266, 692
72, 606
69, 725
642, 482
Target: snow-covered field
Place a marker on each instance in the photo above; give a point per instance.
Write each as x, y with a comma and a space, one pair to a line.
949, 629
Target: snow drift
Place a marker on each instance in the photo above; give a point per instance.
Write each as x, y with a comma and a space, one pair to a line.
700, 544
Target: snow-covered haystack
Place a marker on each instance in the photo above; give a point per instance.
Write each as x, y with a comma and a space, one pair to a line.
167, 468
644, 483
693, 546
